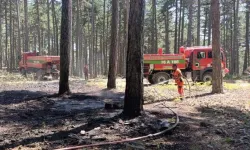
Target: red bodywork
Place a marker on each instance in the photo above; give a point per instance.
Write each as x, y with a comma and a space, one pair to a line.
30, 62
197, 60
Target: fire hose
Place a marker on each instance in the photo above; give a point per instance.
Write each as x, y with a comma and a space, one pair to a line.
129, 139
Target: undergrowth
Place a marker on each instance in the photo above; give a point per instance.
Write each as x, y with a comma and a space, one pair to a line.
14, 77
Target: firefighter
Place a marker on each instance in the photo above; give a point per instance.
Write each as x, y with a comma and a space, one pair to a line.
86, 72
177, 76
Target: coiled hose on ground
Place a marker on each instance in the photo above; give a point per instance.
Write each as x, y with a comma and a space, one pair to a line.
130, 139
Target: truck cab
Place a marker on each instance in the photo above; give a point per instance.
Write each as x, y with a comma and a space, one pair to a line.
199, 60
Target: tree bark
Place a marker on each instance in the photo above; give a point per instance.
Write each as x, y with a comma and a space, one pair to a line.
166, 21
133, 102
48, 21
65, 46
209, 25
217, 85
104, 37
176, 28
125, 34
6, 37
114, 46
198, 23
205, 27
1, 49
91, 55
245, 65
190, 24
11, 37
179, 28
38, 27
26, 26
56, 43
18, 28
77, 35
182, 25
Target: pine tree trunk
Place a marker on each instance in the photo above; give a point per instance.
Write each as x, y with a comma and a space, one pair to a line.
209, 25
245, 65
6, 37
18, 28
176, 28
125, 34
48, 25
91, 53
65, 46
182, 26
72, 64
198, 23
56, 47
166, 21
114, 46
205, 27
133, 102
190, 24
236, 37
104, 38
155, 27
77, 36
179, 28
26, 26
38, 27
217, 86
11, 37
1, 49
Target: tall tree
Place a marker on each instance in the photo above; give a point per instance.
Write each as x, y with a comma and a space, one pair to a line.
48, 21
133, 102
6, 36
176, 28
198, 23
190, 23
65, 46
125, 33
246, 56
217, 85
1, 49
26, 26
114, 46
38, 26
18, 28
91, 52
154, 31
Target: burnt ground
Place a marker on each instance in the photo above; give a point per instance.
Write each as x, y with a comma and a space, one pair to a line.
32, 118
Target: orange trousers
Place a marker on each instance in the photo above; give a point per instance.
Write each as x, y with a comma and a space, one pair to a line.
180, 90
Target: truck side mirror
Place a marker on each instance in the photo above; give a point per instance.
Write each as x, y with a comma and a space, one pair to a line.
19, 57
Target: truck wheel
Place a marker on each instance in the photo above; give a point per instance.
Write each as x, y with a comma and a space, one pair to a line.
160, 77
207, 77
150, 80
23, 72
39, 74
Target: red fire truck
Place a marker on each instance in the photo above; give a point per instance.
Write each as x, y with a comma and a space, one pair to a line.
42, 66
196, 61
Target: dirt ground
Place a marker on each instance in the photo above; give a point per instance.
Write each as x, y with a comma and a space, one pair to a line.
32, 118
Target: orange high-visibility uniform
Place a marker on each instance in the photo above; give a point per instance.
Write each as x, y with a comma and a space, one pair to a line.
179, 81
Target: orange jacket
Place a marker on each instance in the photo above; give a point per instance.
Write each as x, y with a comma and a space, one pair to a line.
177, 75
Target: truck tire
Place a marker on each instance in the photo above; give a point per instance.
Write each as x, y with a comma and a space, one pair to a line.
39, 75
150, 79
207, 77
160, 77
23, 72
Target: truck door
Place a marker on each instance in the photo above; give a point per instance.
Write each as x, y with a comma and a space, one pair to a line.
199, 60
